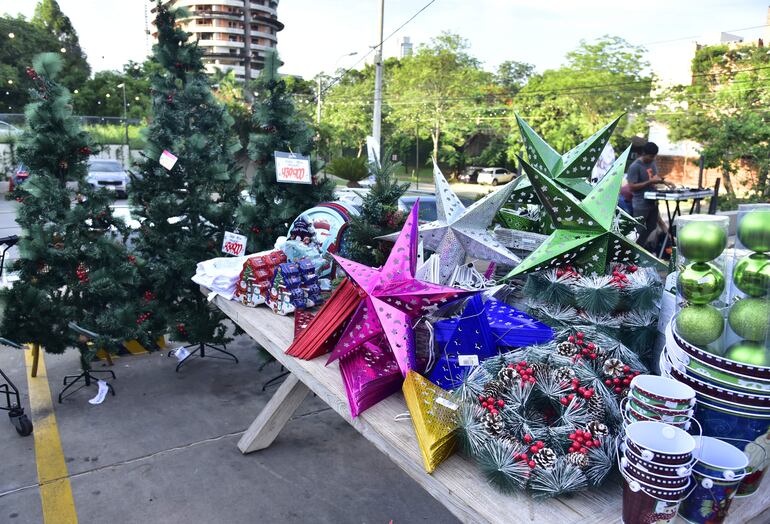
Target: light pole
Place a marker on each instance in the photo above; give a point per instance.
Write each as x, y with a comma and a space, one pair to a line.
125, 121
377, 117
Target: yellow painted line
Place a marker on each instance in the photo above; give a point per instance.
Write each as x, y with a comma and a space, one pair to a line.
134, 347
52, 475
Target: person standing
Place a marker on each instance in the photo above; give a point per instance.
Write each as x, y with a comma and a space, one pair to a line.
643, 174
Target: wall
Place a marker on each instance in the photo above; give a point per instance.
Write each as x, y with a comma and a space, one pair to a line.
684, 172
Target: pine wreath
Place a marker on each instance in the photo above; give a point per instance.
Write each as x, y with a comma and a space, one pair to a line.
538, 419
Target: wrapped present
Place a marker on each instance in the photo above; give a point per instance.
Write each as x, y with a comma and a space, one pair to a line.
433, 418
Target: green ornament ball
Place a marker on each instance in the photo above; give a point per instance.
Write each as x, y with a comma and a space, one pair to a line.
749, 318
700, 283
749, 353
701, 241
700, 325
752, 275
754, 230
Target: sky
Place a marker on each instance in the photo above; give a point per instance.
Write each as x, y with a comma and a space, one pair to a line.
320, 33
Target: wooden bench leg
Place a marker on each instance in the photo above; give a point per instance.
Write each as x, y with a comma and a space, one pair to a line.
274, 415
35, 359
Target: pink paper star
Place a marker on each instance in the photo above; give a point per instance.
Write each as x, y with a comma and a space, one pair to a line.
394, 298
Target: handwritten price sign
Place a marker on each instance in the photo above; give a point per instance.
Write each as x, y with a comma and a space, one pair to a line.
292, 169
234, 244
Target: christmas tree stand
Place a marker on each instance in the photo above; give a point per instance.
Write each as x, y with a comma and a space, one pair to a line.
200, 351
88, 376
19, 420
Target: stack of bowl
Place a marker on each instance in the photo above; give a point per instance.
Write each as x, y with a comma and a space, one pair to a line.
656, 461
717, 473
659, 399
733, 399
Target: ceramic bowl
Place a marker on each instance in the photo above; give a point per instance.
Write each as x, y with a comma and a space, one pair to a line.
738, 399
724, 364
662, 392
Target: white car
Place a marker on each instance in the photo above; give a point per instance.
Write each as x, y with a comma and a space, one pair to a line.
495, 175
108, 174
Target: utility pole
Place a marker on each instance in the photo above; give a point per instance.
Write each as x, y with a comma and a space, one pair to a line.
318, 101
377, 119
125, 123
247, 50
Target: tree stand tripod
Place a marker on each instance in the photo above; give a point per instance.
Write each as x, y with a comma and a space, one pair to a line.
88, 376
200, 351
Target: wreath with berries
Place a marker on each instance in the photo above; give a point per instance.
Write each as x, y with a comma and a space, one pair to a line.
546, 418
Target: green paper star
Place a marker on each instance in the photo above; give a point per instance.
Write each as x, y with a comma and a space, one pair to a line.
570, 170
585, 232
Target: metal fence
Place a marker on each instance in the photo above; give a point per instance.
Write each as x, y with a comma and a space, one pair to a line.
18, 120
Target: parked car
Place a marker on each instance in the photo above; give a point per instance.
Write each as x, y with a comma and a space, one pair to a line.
495, 176
18, 177
108, 174
470, 175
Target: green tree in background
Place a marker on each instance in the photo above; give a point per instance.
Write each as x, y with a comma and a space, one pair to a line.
50, 18
73, 264
437, 90
512, 75
599, 80
101, 96
184, 210
726, 111
276, 127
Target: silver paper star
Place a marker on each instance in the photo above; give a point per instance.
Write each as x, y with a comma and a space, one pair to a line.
460, 232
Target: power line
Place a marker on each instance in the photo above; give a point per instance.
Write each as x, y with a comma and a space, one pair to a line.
696, 36
371, 50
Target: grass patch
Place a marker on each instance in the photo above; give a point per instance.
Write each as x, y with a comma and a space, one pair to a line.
115, 134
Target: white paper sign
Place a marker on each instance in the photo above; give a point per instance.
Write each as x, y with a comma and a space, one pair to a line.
234, 244
180, 353
292, 169
101, 394
167, 160
447, 403
468, 360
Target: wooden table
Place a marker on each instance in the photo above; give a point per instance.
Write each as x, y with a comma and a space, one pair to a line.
457, 483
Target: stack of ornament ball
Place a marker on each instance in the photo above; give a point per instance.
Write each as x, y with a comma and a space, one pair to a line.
700, 282
749, 317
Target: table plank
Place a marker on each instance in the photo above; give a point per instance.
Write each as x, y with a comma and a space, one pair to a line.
457, 483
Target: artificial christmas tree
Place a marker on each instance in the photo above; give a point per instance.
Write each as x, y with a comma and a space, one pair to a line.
185, 205
74, 266
379, 216
277, 127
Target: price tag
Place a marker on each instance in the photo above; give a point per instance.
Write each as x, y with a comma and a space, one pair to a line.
167, 159
468, 360
234, 244
447, 403
292, 169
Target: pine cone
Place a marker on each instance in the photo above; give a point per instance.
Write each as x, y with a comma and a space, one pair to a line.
494, 389
508, 376
545, 458
595, 406
493, 423
597, 429
567, 349
578, 459
538, 367
613, 367
564, 374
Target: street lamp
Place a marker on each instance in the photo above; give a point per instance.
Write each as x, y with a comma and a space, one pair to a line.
125, 120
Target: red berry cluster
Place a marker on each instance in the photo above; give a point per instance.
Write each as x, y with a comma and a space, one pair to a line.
531, 450
578, 391
526, 373
181, 329
619, 383
567, 272
255, 230
85, 151
582, 440
587, 349
82, 273
619, 278
132, 259
144, 316
32, 73
149, 296
491, 404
